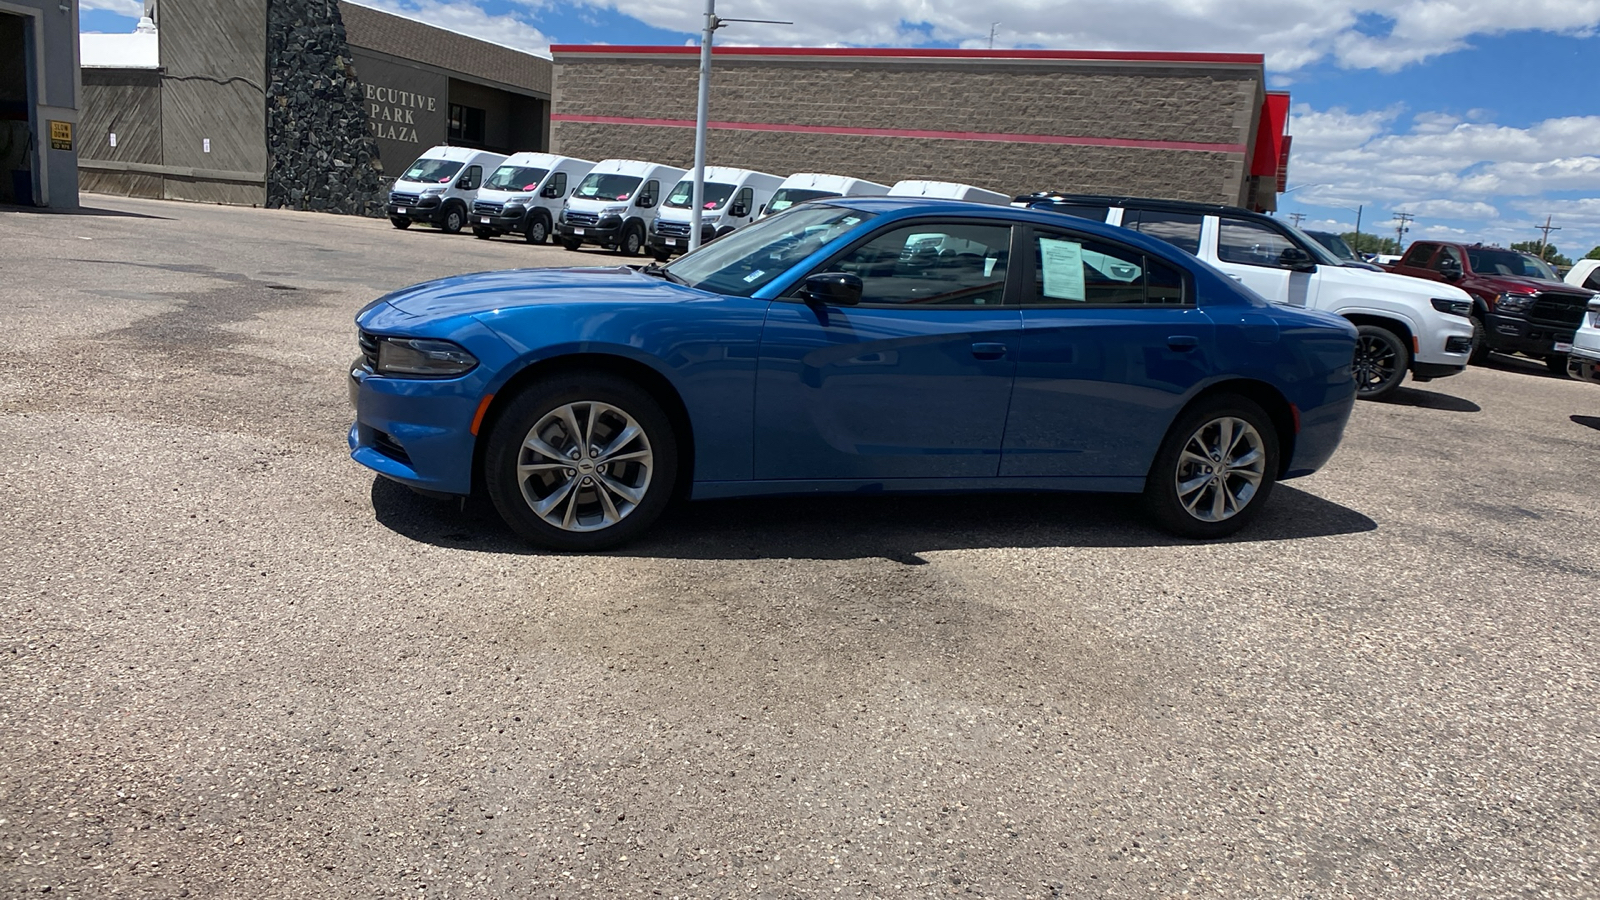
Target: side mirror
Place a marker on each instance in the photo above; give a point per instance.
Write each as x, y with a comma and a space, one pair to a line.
465, 184
550, 192
645, 203
1297, 259
1450, 269
831, 289
738, 211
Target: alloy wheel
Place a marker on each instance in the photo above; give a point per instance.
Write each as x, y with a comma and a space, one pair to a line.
1376, 362
1220, 469
585, 466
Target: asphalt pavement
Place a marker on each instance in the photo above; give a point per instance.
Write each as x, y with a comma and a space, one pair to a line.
235, 664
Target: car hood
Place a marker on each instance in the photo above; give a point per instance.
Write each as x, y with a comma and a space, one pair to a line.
484, 291
1385, 283
1510, 284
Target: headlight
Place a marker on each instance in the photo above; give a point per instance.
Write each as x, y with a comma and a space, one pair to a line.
432, 190
424, 358
1453, 307
613, 210
1514, 303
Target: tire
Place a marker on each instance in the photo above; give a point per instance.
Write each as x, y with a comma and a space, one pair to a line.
632, 241
585, 512
453, 219
400, 222
1382, 359
482, 234
1241, 489
570, 244
1480, 343
1557, 364
538, 231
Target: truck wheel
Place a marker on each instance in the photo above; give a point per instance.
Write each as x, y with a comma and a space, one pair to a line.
453, 220
400, 222
1480, 343
1557, 364
1215, 469
1381, 362
538, 230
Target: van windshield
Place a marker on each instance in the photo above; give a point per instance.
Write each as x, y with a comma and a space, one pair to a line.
742, 262
607, 186
436, 170
788, 197
515, 178
683, 195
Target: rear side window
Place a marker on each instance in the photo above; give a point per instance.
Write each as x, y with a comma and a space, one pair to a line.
1074, 270
1418, 256
1181, 230
1250, 243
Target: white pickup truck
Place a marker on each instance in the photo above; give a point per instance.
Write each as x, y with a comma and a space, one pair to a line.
1583, 362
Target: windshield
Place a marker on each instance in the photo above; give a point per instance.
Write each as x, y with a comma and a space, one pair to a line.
1334, 244
436, 170
788, 197
516, 178
683, 195
607, 186
1509, 262
742, 262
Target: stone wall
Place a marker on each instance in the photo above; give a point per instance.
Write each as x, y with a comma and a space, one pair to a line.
321, 154
1113, 107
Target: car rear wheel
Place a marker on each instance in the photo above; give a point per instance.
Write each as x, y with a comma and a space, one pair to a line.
581, 461
400, 222
1381, 362
1215, 469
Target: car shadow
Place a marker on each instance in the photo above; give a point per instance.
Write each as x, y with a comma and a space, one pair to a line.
1590, 421
899, 528
1521, 365
80, 211
1407, 396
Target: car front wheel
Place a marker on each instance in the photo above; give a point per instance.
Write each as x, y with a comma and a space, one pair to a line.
1381, 362
581, 461
452, 221
538, 230
400, 222
1215, 470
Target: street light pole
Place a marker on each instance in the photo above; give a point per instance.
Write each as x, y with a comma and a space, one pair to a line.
701, 105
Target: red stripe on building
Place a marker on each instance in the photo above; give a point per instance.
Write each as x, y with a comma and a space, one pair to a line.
1068, 140
1249, 59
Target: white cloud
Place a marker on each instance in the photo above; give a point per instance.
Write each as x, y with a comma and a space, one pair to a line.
466, 17
134, 8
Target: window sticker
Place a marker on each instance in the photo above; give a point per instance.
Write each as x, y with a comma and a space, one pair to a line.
756, 274
1061, 263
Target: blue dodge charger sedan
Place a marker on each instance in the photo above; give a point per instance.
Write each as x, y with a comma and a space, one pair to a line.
863, 344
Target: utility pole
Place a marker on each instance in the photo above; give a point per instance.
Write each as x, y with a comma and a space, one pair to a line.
1405, 220
1297, 218
1546, 228
992, 27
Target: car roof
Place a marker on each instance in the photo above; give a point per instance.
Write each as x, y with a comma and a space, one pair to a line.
1188, 206
907, 207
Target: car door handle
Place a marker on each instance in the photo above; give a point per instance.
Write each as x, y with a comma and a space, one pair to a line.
1238, 278
1182, 342
983, 350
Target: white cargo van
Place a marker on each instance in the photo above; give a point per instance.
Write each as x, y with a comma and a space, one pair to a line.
805, 186
733, 198
524, 195
614, 205
947, 190
440, 186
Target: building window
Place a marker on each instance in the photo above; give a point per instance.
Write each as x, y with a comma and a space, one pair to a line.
466, 123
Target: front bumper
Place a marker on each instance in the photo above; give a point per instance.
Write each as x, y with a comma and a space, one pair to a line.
678, 243
607, 231
504, 223
1584, 364
428, 209
1509, 334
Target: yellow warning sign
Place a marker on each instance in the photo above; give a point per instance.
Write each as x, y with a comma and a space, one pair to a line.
60, 135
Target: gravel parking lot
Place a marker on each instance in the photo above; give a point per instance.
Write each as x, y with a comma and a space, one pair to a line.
235, 664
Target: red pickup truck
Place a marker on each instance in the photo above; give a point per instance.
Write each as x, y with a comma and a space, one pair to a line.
1519, 305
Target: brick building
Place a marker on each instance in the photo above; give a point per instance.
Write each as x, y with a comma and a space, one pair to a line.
1189, 126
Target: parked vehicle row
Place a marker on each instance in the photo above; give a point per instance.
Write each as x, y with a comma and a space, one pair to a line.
1403, 324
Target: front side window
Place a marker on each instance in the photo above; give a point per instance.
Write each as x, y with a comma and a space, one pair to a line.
607, 186
1073, 270
1181, 230
682, 196
945, 264
558, 185
1447, 253
746, 260
1250, 243
470, 180
745, 200
438, 171
515, 178
652, 190
1593, 281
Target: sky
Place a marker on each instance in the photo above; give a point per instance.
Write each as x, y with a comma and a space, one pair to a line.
1478, 117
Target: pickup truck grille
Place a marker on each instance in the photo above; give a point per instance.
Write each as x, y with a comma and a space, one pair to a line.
1558, 309
581, 218
486, 208
673, 229
400, 199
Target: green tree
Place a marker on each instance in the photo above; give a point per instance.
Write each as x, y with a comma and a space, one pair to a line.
1551, 254
1371, 243
1593, 254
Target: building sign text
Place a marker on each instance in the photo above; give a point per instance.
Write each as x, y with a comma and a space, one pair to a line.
393, 112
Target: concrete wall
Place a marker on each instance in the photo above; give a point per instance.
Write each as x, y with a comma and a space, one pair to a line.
1123, 103
214, 53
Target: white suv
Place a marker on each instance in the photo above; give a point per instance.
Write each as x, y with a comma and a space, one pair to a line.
1406, 324
1583, 362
